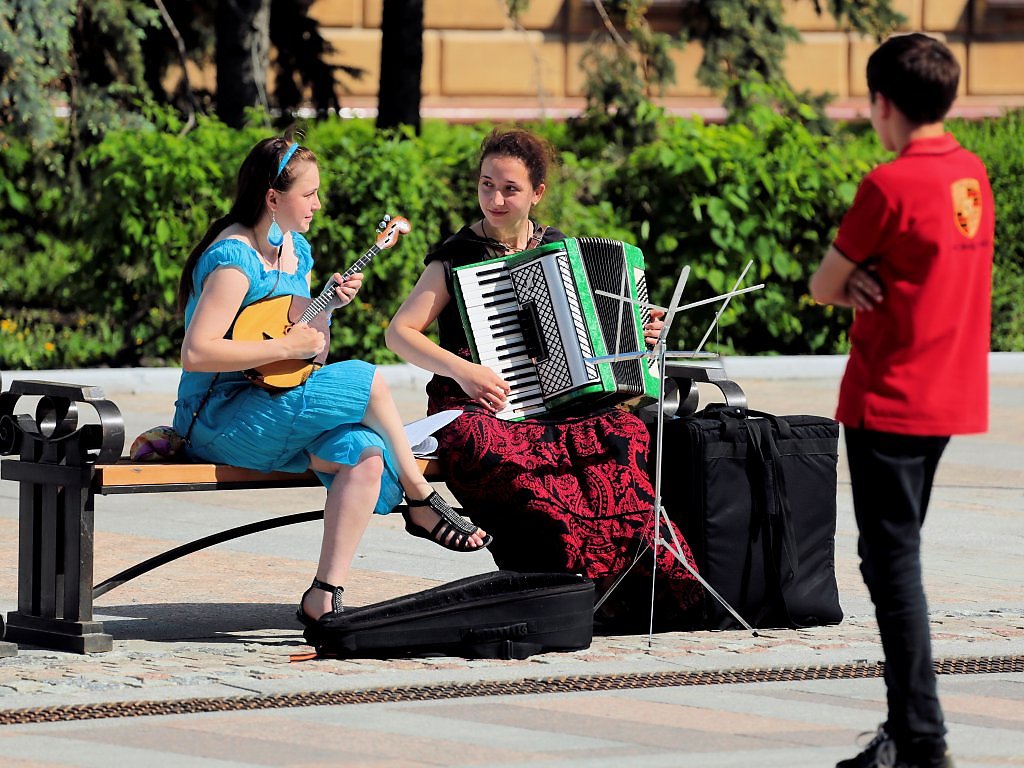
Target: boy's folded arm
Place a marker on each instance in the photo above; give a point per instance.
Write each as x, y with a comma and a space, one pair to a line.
828, 284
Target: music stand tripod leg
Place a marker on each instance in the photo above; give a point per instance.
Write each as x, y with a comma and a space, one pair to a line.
659, 350
673, 547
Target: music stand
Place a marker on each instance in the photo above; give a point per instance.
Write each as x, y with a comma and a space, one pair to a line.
660, 352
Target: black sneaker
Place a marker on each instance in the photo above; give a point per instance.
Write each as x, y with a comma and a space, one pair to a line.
944, 761
879, 753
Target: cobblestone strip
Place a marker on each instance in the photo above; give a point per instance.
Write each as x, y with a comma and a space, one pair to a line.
564, 684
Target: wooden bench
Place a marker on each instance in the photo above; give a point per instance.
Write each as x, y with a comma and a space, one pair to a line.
61, 467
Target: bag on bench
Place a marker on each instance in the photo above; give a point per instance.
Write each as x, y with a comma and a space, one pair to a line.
498, 615
755, 496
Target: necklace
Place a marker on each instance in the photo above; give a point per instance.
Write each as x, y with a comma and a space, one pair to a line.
501, 244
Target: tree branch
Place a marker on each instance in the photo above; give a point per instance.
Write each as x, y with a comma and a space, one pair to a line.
609, 25
183, 57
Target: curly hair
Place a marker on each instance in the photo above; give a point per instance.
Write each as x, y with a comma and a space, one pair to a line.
536, 153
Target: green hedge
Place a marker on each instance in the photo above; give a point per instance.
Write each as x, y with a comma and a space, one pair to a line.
1000, 143
717, 197
88, 276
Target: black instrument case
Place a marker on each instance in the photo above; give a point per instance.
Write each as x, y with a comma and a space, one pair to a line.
502, 615
755, 496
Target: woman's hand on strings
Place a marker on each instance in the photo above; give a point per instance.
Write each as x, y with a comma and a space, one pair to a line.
653, 329
349, 287
302, 342
484, 386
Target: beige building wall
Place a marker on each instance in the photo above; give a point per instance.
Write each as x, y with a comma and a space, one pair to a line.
478, 64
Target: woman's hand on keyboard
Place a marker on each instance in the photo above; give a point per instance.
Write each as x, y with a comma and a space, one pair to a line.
484, 386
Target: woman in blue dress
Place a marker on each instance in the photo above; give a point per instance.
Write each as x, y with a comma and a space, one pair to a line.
341, 422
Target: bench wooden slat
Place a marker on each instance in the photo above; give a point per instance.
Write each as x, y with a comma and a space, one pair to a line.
125, 473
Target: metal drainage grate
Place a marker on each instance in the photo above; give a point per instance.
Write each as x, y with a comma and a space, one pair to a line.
567, 684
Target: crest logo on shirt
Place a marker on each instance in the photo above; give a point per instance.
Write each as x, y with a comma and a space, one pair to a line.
967, 205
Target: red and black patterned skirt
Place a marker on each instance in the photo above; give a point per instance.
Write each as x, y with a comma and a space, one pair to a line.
568, 495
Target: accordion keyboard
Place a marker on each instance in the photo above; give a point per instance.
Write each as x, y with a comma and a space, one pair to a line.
491, 304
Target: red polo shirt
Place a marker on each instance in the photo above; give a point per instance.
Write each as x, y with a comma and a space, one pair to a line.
919, 361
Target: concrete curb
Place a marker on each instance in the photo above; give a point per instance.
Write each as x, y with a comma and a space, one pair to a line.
165, 380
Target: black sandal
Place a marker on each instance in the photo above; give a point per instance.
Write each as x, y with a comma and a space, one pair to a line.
305, 619
452, 530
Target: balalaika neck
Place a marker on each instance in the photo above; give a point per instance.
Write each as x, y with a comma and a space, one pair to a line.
327, 297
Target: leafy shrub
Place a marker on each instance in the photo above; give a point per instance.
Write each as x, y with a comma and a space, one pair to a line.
50, 339
366, 174
1000, 144
717, 197
151, 195
88, 276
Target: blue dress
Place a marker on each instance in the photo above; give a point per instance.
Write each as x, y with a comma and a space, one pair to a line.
246, 426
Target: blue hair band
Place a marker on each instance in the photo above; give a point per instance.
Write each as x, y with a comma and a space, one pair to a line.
284, 160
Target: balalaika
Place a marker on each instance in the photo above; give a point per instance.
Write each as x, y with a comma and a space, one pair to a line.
536, 317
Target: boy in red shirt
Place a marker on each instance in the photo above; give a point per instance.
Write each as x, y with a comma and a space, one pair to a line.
913, 256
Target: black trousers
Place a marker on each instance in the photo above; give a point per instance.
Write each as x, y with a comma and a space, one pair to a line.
892, 476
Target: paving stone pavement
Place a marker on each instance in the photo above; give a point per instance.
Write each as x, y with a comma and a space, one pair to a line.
218, 628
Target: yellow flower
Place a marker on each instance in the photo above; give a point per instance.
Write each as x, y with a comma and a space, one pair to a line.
49, 346
8, 326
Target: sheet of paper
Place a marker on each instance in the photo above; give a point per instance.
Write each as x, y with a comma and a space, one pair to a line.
419, 433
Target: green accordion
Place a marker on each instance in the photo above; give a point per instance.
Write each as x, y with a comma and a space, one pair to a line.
538, 318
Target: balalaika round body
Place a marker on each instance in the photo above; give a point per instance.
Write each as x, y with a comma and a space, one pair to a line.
272, 318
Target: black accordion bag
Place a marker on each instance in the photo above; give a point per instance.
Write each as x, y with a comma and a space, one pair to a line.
498, 615
755, 496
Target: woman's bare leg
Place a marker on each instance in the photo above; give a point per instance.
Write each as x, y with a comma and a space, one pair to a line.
350, 502
383, 418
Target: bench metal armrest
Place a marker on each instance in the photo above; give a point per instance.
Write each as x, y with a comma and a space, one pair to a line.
53, 435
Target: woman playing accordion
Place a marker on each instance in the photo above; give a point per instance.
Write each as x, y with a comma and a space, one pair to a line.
569, 493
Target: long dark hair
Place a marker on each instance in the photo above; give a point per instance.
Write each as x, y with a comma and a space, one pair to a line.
257, 174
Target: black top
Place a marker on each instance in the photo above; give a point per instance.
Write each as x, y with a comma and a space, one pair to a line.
461, 249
